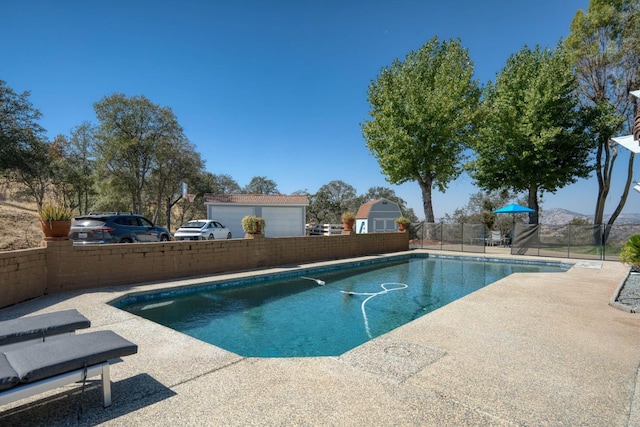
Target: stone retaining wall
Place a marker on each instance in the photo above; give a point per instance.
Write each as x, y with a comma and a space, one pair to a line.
59, 266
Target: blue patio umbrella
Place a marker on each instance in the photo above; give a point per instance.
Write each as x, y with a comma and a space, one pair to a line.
513, 209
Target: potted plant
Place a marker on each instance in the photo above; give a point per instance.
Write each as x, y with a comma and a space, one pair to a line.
403, 223
630, 253
348, 219
55, 221
253, 225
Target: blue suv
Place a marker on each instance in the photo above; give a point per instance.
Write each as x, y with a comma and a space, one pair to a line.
115, 227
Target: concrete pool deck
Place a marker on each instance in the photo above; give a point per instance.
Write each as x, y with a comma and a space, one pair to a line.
531, 349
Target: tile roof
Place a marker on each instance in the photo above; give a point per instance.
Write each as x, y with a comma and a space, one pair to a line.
257, 199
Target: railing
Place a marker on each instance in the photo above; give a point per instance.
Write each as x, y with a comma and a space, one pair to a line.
323, 229
599, 242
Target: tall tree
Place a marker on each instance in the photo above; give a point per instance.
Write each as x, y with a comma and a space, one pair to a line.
533, 136
331, 200
176, 161
34, 169
19, 131
225, 184
479, 210
202, 183
133, 133
74, 166
261, 185
423, 109
25, 154
603, 46
82, 159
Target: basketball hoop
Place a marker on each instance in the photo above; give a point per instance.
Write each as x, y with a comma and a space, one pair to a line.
190, 198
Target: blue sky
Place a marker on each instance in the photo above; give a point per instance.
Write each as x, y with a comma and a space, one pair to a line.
268, 88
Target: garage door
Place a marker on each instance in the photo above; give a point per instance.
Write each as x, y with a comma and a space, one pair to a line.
283, 221
231, 217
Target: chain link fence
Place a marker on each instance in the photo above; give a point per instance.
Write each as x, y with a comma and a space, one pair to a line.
598, 242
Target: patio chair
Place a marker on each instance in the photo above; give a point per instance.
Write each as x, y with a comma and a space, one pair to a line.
24, 331
495, 239
44, 366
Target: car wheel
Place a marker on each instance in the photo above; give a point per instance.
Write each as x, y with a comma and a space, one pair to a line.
228, 235
126, 240
211, 237
164, 238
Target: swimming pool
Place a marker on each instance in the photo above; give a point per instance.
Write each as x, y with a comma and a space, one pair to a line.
323, 311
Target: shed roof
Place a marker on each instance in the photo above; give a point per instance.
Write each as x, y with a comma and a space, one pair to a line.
365, 208
256, 199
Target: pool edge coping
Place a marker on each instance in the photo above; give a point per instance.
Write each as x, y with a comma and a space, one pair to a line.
218, 281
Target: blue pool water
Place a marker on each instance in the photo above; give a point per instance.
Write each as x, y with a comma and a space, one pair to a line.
319, 312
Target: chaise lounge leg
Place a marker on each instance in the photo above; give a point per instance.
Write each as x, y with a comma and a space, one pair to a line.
106, 385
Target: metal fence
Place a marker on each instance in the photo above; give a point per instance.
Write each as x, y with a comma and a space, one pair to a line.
600, 242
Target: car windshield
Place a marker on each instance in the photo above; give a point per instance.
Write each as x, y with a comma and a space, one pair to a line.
193, 224
88, 222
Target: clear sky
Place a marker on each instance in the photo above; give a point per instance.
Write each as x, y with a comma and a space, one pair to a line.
268, 88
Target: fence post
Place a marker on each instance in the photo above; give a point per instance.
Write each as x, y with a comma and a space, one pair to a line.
604, 237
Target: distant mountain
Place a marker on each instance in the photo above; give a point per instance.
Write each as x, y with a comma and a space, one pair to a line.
631, 218
557, 216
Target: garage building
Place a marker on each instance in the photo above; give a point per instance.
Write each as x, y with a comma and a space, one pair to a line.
284, 215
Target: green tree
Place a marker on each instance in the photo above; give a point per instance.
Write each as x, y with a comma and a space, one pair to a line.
19, 131
479, 210
203, 183
423, 110
261, 185
25, 154
330, 201
74, 167
131, 139
176, 161
603, 47
61, 186
225, 184
33, 168
532, 139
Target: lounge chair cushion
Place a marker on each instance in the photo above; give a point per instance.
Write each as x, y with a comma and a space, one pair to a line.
41, 325
50, 358
8, 375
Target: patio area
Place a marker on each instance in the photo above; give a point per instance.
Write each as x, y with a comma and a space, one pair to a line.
531, 349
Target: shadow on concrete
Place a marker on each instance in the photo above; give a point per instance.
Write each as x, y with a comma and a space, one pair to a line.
74, 407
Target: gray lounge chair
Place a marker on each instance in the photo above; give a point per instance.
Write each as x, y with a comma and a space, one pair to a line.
47, 365
28, 330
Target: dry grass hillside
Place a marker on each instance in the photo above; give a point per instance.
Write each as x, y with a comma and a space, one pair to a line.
19, 227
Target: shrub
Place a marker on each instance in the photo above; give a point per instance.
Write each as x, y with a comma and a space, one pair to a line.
403, 220
51, 212
630, 253
348, 216
253, 224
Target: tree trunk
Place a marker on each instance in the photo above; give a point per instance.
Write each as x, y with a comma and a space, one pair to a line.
427, 203
604, 169
623, 199
532, 202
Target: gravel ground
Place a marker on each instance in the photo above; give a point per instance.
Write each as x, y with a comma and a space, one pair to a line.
630, 292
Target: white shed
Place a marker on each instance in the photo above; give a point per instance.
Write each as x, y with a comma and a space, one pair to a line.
377, 216
284, 215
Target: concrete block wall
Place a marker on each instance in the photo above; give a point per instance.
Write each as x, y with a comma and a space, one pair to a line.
60, 267
23, 275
